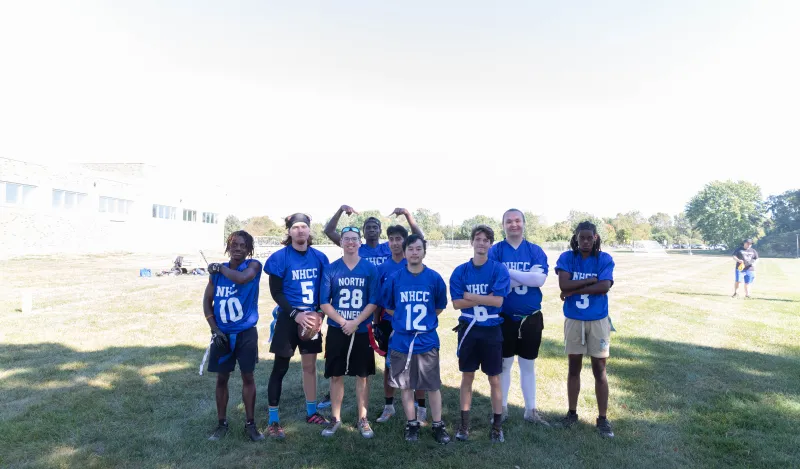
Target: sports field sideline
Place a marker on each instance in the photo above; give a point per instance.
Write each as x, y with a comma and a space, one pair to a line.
104, 373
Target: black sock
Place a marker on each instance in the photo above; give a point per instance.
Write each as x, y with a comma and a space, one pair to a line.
421, 402
438, 424
573, 412
498, 419
390, 400
601, 417
223, 422
250, 422
465, 418
413, 422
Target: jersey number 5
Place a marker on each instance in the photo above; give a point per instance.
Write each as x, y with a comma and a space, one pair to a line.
308, 292
420, 311
583, 303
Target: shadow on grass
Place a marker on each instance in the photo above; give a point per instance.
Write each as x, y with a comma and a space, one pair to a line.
147, 407
722, 295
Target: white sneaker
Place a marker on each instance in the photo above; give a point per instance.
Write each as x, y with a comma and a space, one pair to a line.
388, 411
502, 419
331, 428
532, 415
422, 416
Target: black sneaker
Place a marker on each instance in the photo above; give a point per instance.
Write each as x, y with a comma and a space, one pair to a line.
569, 420
463, 433
219, 432
496, 435
440, 434
604, 427
252, 432
412, 431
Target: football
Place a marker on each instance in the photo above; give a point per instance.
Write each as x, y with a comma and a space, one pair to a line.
309, 333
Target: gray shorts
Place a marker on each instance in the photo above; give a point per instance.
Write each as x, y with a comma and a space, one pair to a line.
421, 374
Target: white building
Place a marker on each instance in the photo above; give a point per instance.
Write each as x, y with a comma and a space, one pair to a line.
92, 208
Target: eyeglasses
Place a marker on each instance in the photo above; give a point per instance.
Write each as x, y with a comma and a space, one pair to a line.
350, 228
351, 239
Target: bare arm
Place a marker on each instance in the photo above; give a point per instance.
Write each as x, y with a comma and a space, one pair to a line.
485, 300
330, 228
208, 305
568, 285
240, 278
439, 311
599, 288
331, 312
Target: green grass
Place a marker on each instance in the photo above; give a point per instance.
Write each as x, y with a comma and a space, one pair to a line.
103, 373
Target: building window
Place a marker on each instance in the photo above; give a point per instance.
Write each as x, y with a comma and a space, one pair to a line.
15, 194
209, 217
114, 205
163, 211
67, 200
189, 215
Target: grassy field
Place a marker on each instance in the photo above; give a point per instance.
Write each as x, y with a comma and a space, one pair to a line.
103, 373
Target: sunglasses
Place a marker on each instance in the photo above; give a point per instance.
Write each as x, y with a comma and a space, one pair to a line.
350, 228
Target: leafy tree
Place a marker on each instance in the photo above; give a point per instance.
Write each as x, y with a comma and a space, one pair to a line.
663, 228
561, 231
727, 212
466, 226
263, 226
429, 222
231, 224
784, 211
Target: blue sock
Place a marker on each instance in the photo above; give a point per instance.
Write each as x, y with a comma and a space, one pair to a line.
311, 407
273, 415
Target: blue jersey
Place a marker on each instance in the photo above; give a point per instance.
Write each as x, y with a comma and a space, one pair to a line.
376, 255
301, 274
385, 270
586, 307
522, 300
236, 306
414, 300
350, 291
491, 277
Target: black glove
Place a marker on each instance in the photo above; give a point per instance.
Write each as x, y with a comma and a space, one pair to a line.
220, 338
214, 268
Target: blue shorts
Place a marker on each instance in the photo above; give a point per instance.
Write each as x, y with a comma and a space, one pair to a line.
746, 276
483, 347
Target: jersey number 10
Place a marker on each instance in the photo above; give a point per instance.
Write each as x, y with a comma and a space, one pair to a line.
234, 310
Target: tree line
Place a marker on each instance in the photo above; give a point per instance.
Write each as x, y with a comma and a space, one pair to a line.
722, 213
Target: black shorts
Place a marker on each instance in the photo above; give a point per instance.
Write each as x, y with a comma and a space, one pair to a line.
245, 351
386, 328
337, 346
285, 339
482, 347
522, 338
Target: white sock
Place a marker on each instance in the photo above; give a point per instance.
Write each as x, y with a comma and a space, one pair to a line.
505, 378
527, 379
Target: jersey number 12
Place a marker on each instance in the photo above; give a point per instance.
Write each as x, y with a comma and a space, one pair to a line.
420, 311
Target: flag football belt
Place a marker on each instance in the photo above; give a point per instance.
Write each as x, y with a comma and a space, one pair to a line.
475, 319
222, 359
522, 322
374, 343
411, 349
349, 350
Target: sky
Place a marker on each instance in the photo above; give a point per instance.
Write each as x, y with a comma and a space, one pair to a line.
461, 107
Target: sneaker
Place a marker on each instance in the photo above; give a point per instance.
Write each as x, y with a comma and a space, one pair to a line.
747, 297
252, 432
422, 416
219, 433
504, 415
496, 435
440, 434
412, 431
569, 420
388, 411
275, 431
331, 427
734, 295
325, 402
316, 419
604, 427
364, 428
463, 433
533, 416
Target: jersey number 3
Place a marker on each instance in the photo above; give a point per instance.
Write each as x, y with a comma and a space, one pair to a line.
420, 311
583, 303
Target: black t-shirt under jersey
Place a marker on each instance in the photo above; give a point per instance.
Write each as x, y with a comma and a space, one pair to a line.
748, 256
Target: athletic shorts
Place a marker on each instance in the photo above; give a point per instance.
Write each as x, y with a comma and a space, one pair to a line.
386, 328
591, 338
524, 337
482, 347
746, 276
245, 351
341, 360
285, 339
422, 373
